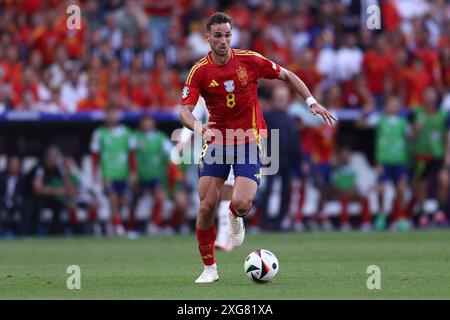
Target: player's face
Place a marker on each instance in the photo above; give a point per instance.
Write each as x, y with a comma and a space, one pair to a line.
112, 118
344, 156
147, 124
14, 165
219, 38
52, 158
430, 97
392, 106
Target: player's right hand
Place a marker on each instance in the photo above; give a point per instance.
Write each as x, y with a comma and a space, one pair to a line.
207, 132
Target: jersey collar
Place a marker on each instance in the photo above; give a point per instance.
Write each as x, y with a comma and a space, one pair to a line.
208, 56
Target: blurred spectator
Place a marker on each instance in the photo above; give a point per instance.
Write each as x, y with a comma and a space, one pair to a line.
377, 63
84, 198
94, 99
92, 13
12, 196
5, 98
430, 144
111, 31
112, 148
289, 148
126, 53
327, 56
349, 58
50, 187
153, 150
323, 153
145, 51
306, 69
196, 42
417, 80
25, 92
344, 188
59, 66
44, 87
159, 12
324, 42
131, 18
392, 156
301, 39
28, 102
73, 90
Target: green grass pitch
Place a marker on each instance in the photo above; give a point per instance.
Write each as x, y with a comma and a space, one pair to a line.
414, 265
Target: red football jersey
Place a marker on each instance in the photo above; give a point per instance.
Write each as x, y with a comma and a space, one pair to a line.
230, 92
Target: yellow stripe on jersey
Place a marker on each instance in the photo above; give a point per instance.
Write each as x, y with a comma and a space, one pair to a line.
255, 129
194, 68
249, 53
196, 65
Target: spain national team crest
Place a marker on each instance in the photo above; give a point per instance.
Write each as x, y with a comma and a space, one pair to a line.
242, 75
229, 85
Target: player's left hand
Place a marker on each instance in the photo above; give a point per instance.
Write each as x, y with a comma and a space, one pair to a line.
328, 118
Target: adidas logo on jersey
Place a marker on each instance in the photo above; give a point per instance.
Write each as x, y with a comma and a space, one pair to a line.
213, 84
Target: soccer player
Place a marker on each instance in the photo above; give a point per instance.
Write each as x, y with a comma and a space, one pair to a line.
153, 149
112, 146
430, 136
392, 156
344, 188
323, 153
223, 237
227, 79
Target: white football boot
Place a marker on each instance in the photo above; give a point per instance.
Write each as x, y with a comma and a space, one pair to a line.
237, 230
208, 275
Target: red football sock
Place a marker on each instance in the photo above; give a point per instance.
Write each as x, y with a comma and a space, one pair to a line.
365, 213
206, 239
157, 213
93, 215
132, 218
395, 214
73, 216
116, 220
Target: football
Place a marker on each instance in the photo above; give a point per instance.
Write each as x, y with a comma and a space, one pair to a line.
261, 266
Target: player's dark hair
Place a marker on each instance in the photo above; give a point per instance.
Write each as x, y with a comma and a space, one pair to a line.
218, 18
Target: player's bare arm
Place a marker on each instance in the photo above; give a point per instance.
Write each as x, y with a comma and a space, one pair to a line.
302, 90
188, 120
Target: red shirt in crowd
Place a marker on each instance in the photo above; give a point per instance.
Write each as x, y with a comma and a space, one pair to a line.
376, 66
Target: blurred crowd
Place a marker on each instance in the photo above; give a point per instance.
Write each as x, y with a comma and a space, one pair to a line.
136, 54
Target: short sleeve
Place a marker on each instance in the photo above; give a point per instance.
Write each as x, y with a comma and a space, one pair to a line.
191, 89
265, 67
167, 146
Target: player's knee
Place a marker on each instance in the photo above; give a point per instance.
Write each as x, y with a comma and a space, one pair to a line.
206, 208
242, 204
